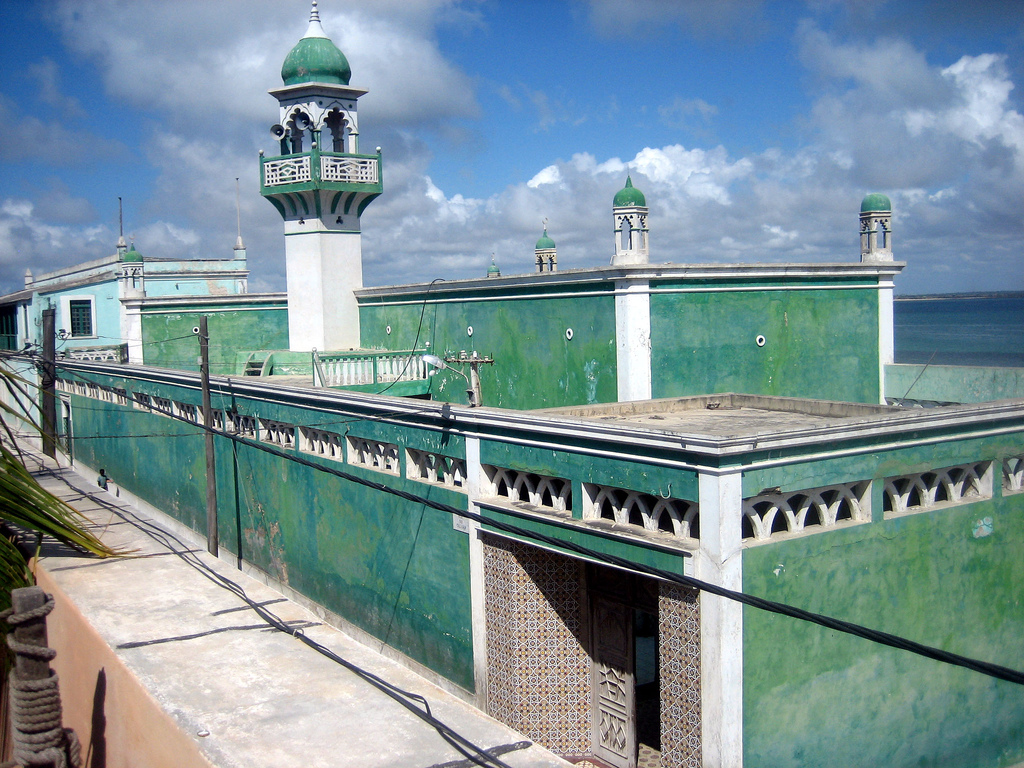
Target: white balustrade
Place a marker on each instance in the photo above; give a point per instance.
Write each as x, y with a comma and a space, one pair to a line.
293, 170
349, 170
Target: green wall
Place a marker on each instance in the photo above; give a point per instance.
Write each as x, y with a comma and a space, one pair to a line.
394, 568
813, 696
535, 365
818, 343
169, 342
953, 383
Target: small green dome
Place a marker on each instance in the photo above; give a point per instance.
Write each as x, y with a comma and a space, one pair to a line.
315, 59
132, 255
629, 196
545, 242
875, 202
493, 271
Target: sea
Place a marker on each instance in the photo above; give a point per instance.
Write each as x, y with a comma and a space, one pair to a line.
960, 330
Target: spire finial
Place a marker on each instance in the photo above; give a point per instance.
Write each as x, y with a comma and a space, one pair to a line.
544, 221
239, 245
315, 29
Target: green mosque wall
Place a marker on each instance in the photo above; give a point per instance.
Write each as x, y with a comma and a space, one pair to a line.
396, 569
535, 364
813, 696
169, 342
819, 344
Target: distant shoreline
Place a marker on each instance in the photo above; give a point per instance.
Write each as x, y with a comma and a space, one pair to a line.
975, 295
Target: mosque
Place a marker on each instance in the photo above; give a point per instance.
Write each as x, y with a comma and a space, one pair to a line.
608, 428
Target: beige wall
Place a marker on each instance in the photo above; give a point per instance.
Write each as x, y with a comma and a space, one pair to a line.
119, 724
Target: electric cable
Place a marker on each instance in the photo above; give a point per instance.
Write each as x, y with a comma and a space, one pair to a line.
882, 638
408, 699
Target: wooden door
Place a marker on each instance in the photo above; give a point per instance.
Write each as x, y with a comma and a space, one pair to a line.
613, 694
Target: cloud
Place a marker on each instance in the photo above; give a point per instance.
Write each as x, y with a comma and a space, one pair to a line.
218, 64
47, 77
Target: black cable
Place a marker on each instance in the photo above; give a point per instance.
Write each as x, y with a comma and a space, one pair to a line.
416, 341
882, 638
462, 744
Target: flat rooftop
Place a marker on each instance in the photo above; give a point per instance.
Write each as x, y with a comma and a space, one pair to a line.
729, 415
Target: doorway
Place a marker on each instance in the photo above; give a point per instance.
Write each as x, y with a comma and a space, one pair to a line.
625, 698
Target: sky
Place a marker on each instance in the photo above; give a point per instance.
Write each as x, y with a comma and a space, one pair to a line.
754, 128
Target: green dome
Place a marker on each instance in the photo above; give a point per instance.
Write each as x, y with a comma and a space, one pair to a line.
315, 59
132, 255
629, 196
493, 271
875, 202
545, 242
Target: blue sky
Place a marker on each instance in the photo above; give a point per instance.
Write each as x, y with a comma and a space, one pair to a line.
754, 128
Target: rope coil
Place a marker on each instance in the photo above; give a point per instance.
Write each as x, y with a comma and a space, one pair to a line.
36, 717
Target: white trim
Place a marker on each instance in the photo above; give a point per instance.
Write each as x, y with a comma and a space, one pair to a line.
369, 302
474, 481
886, 333
720, 561
65, 314
633, 340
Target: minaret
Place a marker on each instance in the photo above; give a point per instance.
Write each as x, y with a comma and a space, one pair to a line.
122, 246
320, 185
544, 252
629, 211
876, 228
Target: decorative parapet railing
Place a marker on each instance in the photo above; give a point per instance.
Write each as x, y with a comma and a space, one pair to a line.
642, 511
286, 170
938, 488
361, 368
1013, 475
117, 353
771, 515
316, 166
349, 169
428, 467
550, 494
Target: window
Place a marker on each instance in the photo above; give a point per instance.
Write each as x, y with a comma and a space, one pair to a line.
80, 317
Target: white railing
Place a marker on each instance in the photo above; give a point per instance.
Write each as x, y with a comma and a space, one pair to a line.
353, 370
293, 170
114, 354
349, 170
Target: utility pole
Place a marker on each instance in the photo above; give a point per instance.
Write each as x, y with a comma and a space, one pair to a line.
212, 543
48, 406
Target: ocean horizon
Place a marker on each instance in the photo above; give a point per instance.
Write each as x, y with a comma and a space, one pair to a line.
983, 329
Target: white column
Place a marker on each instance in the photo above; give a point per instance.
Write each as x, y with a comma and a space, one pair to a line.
886, 335
719, 561
474, 478
131, 329
633, 339
323, 269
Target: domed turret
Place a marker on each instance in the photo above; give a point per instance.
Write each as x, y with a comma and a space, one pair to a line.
629, 211
544, 252
629, 196
876, 228
493, 271
875, 202
131, 255
315, 59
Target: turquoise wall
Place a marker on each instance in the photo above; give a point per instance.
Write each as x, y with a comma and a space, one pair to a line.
535, 365
817, 697
818, 343
169, 342
396, 569
107, 330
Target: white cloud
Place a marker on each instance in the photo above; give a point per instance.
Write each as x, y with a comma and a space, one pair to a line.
549, 175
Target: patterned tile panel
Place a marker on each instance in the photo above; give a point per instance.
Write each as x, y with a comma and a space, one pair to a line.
679, 659
538, 670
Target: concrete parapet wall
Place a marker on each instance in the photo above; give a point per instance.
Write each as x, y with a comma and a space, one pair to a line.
953, 383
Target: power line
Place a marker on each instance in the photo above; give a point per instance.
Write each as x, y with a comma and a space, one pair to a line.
414, 702
882, 638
